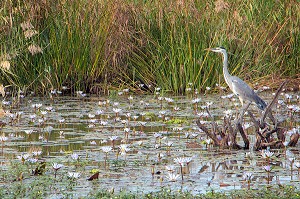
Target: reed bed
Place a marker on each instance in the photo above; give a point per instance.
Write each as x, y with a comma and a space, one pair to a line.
99, 45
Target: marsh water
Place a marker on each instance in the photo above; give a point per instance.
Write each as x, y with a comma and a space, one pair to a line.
156, 130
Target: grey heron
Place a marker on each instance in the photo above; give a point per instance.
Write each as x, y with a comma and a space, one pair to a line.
238, 86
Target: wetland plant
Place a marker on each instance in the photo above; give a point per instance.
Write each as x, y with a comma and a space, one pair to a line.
195, 102
268, 169
208, 142
248, 178
172, 177
75, 157
181, 161
297, 165
106, 150
113, 140
56, 167
291, 161
23, 157
169, 144
266, 154
3, 139
73, 176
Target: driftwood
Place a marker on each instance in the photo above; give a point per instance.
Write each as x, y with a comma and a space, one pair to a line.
267, 135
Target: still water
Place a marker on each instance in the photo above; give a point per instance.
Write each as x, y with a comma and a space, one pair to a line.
153, 131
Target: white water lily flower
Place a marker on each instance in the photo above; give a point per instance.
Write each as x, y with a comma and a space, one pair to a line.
267, 154
103, 123
36, 153
195, 101
117, 110
28, 132
142, 123
75, 156
267, 168
127, 130
188, 159
124, 148
228, 113
93, 142
57, 166
32, 160
113, 138
169, 143
99, 112
247, 176
23, 157
106, 149
49, 108
180, 160
170, 168
169, 100
208, 141
157, 135
172, 177
91, 115
3, 138
74, 175
130, 98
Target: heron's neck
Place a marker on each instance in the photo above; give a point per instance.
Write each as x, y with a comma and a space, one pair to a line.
225, 68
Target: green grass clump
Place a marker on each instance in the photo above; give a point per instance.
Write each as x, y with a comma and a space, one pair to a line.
95, 45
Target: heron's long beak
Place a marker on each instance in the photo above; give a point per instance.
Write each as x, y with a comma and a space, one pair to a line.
209, 49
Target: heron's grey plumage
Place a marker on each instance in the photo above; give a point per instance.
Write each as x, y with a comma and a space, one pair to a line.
238, 86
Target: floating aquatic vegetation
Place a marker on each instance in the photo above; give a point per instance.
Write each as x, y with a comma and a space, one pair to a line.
86, 135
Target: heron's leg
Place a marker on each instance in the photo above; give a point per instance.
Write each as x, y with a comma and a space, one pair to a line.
241, 100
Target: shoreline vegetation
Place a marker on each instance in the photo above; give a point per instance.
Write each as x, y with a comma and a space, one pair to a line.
96, 46
281, 192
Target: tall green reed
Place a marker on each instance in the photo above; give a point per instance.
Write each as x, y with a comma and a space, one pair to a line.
91, 45
257, 35
73, 39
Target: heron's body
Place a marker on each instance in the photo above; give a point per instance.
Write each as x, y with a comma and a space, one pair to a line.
238, 86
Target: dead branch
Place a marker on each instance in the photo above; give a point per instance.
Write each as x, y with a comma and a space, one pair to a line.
274, 101
294, 140
280, 134
244, 136
255, 122
213, 123
265, 132
208, 133
271, 144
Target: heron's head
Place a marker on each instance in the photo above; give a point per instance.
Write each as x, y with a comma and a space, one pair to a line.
218, 49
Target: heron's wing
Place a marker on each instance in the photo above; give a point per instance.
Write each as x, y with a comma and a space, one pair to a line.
242, 89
